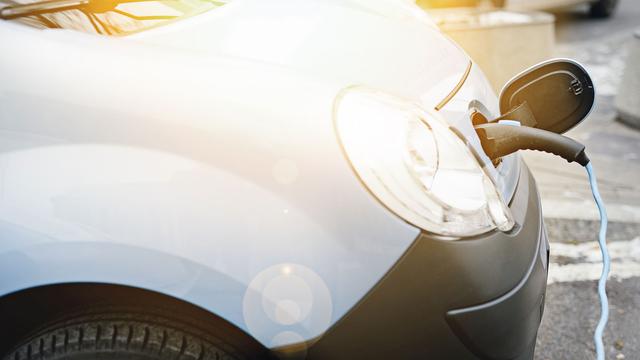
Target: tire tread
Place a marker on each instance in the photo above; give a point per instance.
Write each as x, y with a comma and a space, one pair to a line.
122, 334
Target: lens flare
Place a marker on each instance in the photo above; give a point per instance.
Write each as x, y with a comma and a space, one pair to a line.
286, 303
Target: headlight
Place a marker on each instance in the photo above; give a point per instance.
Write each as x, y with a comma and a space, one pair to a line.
417, 166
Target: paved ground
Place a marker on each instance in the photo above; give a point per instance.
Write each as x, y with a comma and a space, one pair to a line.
572, 304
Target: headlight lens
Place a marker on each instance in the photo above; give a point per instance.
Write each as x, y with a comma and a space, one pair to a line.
417, 166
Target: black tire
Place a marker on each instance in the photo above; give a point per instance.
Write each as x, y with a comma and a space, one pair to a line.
124, 336
603, 8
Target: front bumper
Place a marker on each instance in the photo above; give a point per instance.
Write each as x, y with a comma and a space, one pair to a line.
467, 299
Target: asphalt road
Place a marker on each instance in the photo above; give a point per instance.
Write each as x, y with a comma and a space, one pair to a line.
572, 307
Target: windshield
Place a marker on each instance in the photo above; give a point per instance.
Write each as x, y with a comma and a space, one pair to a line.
104, 17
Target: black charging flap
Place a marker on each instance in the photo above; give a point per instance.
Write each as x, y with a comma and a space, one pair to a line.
558, 92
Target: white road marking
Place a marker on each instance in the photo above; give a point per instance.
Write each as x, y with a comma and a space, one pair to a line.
625, 261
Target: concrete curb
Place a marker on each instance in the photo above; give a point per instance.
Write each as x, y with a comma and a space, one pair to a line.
628, 99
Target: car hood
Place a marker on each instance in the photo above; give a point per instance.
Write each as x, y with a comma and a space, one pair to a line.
356, 42
389, 45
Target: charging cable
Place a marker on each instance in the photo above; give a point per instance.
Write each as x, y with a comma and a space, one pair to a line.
503, 138
606, 261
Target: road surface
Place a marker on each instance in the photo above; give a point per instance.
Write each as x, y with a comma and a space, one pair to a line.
572, 308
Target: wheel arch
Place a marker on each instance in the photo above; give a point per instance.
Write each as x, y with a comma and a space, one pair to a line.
40, 281
27, 310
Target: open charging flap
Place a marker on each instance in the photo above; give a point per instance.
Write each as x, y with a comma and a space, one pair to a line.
554, 95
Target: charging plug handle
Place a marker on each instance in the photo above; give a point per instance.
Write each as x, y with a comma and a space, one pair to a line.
499, 140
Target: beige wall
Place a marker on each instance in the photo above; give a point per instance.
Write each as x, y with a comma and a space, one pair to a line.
501, 45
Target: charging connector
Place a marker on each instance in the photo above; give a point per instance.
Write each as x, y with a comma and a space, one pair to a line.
499, 140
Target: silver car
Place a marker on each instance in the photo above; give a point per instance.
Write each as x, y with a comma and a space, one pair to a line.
200, 179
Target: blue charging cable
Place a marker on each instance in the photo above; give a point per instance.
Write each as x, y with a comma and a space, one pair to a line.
606, 261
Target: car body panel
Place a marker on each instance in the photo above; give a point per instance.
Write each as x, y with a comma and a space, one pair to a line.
437, 300
234, 195
206, 172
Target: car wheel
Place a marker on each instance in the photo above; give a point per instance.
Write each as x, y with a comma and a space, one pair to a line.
123, 336
603, 8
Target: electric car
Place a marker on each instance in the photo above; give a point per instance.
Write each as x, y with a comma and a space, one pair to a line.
199, 179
